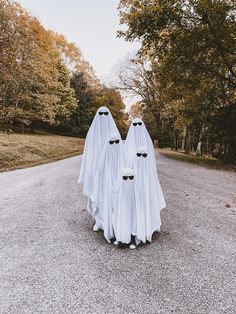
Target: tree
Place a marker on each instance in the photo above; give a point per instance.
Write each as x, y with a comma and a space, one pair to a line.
112, 99
191, 48
44, 79
67, 101
89, 100
83, 115
72, 57
30, 75
36, 66
136, 110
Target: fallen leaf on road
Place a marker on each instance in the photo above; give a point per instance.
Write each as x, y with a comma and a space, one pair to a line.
164, 233
227, 205
234, 199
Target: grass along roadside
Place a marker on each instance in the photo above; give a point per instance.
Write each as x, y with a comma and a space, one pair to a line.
208, 162
26, 150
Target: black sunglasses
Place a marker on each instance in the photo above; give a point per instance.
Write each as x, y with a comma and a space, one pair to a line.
144, 155
137, 123
103, 112
128, 177
116, 141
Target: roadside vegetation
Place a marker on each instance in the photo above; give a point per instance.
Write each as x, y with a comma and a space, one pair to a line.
184, 73
209, 162
45, 83
25, 150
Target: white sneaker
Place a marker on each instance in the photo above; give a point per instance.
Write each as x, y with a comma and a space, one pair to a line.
116, 242
95, 228
132, 246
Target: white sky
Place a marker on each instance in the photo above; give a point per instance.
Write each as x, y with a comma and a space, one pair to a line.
91, 24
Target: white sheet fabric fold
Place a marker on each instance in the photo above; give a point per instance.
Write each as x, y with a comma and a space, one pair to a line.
111, 163
138, 136
128, 215
101, 127
151, 193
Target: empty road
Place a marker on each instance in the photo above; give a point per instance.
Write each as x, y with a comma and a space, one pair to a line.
52, 262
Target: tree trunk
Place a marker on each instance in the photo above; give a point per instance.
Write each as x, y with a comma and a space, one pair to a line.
157, 116
192, 146
32, 126
199, 149
229, 156
232, 154
171, 140
22, 127
187, 147
183, 140
176, 139
207, 147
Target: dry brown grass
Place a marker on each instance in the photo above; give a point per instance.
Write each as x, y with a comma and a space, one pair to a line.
208, 162
25, 150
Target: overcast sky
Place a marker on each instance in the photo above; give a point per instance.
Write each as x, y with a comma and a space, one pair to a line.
92, 24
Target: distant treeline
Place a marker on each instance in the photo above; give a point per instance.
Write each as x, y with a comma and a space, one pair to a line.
185, 72
44, 80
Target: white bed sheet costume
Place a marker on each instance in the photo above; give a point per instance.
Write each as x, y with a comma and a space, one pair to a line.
151, 193
121, 181
128, 214
138, 136
111, 163
103, 124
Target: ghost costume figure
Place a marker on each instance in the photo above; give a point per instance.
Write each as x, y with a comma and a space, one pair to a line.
111, 163
151, 193
128, 215
138, 136
102, 125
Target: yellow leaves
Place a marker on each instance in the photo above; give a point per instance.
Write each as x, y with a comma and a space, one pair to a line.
70, 50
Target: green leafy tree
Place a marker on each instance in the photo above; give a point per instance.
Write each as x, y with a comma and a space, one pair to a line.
191, 48
112, 99
67, 101
83, 115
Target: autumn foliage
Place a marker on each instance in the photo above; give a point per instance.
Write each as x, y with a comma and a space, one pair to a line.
186, 71
44, 80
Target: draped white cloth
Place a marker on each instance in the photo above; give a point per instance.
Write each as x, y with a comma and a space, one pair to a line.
111, 163
138, 136
128, 214
152, 198
99, 130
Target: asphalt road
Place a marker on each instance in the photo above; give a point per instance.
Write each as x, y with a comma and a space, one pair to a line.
52, 262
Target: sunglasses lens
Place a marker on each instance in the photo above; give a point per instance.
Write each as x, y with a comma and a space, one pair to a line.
117, 141
138, 154
100, 113
144, 155
125, 177
140, 123
111, 142
134, 124
131, 177
106, 113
